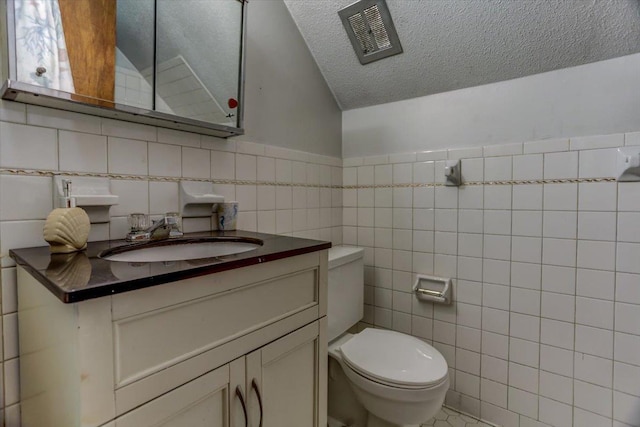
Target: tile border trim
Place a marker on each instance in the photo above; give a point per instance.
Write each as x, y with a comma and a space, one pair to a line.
477, 183
43, 173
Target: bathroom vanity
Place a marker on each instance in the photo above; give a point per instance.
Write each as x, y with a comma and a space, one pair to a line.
232, 341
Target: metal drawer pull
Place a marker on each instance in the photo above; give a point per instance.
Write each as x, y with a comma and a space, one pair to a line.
244, 407
254, 386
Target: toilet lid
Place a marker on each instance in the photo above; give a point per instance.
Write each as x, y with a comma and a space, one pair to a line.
394, 358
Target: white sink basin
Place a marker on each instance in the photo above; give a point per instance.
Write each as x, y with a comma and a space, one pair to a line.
181, 249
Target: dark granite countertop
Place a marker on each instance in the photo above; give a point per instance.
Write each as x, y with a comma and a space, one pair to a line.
82, 275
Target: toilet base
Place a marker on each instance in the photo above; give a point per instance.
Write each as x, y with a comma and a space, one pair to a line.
343, 406
332, 422
374, 421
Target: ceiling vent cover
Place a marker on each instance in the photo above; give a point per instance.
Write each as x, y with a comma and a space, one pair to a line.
371, 30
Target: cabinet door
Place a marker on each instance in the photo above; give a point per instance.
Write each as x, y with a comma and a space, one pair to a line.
207, 401
285, 380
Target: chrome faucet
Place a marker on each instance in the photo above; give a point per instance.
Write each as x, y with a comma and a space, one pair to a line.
164, 228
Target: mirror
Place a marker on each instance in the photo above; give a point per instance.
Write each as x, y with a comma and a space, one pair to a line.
169, 63
135, 46
187, 83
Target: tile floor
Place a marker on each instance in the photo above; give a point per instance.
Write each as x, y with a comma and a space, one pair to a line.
445, 418
450, 418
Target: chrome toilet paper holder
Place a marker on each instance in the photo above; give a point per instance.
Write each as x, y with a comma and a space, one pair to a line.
433, 289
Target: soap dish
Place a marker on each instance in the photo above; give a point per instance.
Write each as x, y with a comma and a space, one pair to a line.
197, 199
93, 194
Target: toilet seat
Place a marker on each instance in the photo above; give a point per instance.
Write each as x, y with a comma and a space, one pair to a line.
394, 359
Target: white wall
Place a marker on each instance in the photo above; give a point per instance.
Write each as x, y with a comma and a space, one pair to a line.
280, 191
592, 99
287, 101
543, 330
544, 327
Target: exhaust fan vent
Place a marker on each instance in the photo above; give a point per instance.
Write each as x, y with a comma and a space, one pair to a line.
371, 30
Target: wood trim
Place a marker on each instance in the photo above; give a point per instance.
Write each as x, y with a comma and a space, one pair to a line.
90, 33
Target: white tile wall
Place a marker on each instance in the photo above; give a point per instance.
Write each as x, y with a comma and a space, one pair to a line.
546, 146
597, 163
36, 138
632, 138
528, 167
196, 163
82, 152
164, 160
561, 165
28, 147
544, 328
128, 156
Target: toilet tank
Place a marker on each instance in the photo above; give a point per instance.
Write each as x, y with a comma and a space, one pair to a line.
345, 304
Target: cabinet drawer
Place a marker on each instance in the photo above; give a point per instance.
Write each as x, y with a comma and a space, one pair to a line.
155, 340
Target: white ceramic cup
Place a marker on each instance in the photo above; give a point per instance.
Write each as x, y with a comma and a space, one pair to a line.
227, 216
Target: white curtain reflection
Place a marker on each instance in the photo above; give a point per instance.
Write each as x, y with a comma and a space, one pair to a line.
40, 45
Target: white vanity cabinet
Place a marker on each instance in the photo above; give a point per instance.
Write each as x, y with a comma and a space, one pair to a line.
181, 354
284, 379
205, 401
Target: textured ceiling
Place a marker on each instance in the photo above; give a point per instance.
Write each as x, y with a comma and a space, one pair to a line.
453, 44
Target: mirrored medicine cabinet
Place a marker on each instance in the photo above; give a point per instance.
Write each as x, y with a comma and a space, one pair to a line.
170, 63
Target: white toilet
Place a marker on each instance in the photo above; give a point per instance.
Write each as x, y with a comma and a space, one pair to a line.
399, 380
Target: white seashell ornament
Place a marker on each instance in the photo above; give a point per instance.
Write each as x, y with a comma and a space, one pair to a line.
67, 230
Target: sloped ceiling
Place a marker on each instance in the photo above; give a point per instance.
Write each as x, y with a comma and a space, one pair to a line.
454, 44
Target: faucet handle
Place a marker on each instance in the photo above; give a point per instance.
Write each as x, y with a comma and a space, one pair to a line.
172, 218
138, 221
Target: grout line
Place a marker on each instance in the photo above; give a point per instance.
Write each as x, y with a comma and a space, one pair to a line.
614, 301
575, 309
